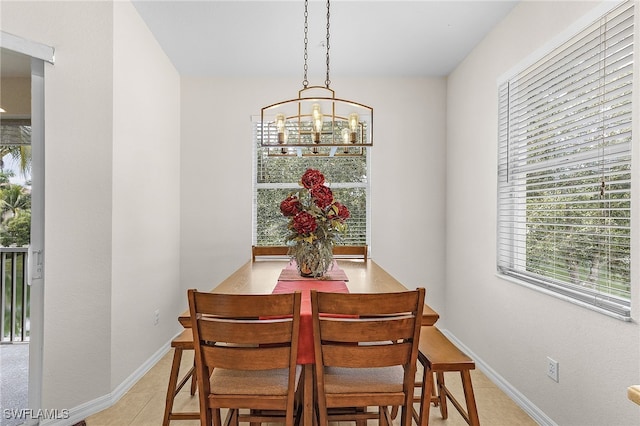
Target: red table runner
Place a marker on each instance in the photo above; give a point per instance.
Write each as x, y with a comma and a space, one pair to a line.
305, 340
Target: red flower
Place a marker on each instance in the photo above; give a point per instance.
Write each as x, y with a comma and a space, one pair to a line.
290, 206
343, 211
312, 178
322, 195
304, 223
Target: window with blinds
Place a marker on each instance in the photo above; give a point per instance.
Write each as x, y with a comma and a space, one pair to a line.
564, 168
277, 175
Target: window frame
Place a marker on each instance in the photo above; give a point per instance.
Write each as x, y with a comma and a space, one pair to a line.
618, 307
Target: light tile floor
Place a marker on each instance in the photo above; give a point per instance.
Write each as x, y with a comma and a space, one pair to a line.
144, 403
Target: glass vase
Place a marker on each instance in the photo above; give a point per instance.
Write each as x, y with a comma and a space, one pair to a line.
313, 259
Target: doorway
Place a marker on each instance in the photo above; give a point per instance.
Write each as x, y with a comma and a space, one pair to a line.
22, 65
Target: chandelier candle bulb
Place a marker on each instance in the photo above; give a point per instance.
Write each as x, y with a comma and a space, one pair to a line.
346, 137
353, 125
280, 121
317, 122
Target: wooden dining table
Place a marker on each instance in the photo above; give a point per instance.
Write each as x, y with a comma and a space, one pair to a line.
261, 277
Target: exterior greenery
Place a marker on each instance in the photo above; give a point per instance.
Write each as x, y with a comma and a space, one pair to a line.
15, 200
586, 235
10, 262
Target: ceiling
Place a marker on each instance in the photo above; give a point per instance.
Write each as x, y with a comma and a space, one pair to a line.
264, 38
367, 38
14, 64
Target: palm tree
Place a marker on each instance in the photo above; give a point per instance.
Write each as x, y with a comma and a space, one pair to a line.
13, 200
15, 141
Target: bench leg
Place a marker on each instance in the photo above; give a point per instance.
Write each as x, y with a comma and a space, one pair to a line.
171, 389
442, 395
425, 395
472, 410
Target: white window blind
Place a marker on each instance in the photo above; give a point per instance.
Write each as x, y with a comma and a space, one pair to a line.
276, 176
564, 168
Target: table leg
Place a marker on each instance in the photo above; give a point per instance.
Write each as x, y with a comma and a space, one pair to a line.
307, 408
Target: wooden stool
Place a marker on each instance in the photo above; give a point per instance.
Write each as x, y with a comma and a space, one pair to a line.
183, 342
438, 355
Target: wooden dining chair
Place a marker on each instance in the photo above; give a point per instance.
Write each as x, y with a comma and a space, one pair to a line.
366, 347
350, 252
269, 251
245, 351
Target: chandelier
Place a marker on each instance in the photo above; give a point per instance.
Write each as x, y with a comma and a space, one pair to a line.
316, 119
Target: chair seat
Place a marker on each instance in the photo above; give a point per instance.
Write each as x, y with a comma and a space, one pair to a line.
261, 382
357, 380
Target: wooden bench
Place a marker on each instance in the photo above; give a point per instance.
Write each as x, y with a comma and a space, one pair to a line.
181, 343
342, 252
438, 355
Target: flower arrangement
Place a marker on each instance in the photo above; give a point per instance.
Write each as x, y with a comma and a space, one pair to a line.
316, 219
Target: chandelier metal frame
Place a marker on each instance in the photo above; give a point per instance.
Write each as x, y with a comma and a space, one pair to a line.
316, 118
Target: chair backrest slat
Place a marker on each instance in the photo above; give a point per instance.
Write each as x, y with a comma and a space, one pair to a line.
367, 356
236, 306
367, 329
267, 358
367, 304
242, 331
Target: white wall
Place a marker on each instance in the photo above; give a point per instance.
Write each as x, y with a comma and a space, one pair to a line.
512, 328
146, 195
112, 195
78, 157
407, 174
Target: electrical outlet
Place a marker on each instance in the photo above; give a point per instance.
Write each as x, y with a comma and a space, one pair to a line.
552, 369
156, 317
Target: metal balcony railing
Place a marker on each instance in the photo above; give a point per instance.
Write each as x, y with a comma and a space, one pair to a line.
15, 295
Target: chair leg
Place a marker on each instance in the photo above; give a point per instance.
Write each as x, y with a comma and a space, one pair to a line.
194, 382
213, 417
384, 416
394, 411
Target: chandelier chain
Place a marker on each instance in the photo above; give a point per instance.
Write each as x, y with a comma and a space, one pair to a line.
328, 81
305, 82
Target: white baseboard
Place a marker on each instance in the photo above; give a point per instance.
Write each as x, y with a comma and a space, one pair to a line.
85, 410
536, 414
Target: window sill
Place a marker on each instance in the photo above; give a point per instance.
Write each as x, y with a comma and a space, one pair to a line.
563, 297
